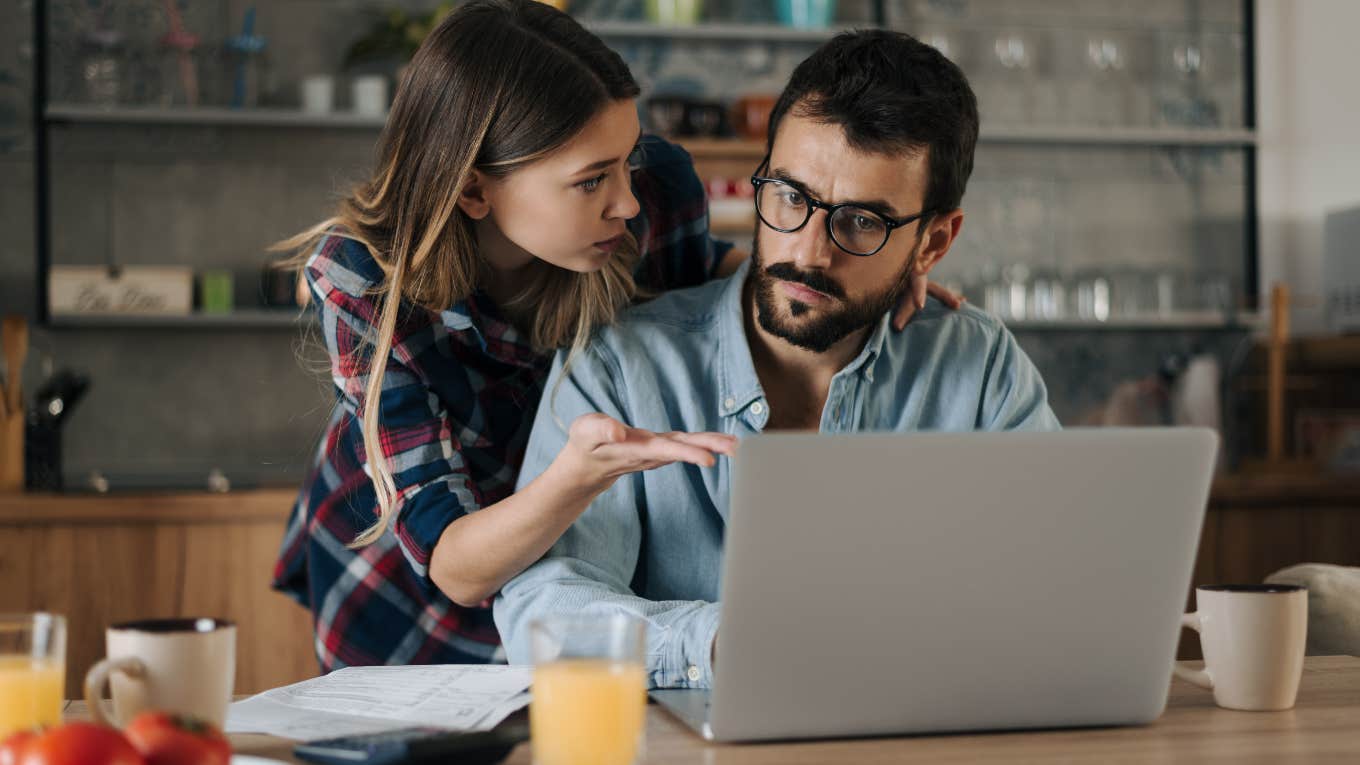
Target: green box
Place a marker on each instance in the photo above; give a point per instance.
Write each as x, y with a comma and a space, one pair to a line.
215, 291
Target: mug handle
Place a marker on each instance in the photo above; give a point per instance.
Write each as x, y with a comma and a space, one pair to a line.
1180, 669
98, 677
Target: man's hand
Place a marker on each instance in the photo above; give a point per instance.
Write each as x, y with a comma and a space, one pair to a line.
915, 299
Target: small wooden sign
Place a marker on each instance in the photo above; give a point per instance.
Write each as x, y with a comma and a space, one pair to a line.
145, 290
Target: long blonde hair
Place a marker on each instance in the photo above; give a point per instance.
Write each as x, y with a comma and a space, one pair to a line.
497, 85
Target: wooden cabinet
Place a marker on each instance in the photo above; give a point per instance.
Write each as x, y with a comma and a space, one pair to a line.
105, 559
100, 560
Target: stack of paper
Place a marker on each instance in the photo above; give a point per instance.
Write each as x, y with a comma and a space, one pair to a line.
357, 700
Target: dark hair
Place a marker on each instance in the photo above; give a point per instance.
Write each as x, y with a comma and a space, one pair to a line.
891, 93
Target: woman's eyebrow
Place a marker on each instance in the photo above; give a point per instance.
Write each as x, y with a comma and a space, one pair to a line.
604, 163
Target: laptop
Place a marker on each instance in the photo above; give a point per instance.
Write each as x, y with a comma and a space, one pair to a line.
885, 584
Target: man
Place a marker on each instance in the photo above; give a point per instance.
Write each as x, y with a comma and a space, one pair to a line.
870, 148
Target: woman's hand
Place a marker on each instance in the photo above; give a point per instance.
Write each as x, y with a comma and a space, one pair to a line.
915, 299
600, 449
479, 552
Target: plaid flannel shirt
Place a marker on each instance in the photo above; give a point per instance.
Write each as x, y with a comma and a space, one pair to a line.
460, 392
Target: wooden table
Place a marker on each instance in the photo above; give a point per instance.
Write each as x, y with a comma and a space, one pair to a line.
1324, 726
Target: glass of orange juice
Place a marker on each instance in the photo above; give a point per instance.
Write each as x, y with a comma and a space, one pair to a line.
32, 671
590, 690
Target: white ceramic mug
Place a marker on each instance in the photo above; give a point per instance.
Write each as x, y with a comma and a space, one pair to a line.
184, 666
318, 94
1253, 637
369, 95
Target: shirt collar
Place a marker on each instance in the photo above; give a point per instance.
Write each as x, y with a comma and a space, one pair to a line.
478, 317
458, 319
873, 347
739, 384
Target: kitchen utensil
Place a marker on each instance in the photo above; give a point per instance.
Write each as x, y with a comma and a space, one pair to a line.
58, 395
14, 336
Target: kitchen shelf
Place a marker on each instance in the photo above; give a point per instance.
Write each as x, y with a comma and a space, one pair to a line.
715, 31
255, 318
707, 147
290, 319
204, 116
1120, 136
734, 148
1184, 320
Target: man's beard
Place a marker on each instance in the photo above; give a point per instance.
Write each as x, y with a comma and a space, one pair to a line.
820, 333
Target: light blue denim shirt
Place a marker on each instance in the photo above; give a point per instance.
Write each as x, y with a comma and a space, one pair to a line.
652, 544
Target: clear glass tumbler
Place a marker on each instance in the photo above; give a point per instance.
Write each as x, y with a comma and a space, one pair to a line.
590, 690
32, 671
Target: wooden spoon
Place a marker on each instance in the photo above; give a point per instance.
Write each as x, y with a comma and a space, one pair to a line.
14, 336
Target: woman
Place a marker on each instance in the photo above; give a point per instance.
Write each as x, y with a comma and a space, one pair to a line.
514, 208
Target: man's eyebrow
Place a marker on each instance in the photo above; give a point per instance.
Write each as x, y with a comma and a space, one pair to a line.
604, 163
880, 206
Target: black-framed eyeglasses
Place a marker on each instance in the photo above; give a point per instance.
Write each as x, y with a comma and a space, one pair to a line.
855, 229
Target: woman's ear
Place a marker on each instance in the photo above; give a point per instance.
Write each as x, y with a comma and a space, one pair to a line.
473, 200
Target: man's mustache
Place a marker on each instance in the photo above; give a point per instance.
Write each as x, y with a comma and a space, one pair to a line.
812, 279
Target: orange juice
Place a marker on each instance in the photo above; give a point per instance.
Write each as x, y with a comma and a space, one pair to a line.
30, 693
588, 712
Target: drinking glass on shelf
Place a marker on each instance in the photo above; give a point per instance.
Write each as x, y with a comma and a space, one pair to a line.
1165, 286
1136, 293
1225, 79
1016, 281
1006, 89
101, 67
32, 671
953, 43
1214, 292
1107, 64
995, 297
1102, 87
1093, 298
1200, 79
1048, 294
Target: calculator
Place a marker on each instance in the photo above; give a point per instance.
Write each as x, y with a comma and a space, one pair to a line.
416, 745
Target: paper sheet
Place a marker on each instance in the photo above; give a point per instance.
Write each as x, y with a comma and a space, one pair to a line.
355, 700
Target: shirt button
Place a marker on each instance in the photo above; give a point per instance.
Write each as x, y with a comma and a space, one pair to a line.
692, 673
728, 404
869, 373
757, 408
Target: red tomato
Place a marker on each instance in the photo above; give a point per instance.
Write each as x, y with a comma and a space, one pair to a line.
79, 743
13, 747
167, 739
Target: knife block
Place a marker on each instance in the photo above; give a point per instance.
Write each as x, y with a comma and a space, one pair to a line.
42, 457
